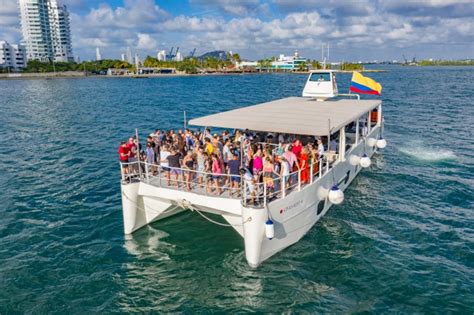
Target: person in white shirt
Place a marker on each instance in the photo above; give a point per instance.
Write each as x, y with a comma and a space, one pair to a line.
320, 148
226, 154
164, 162
284, 172
249, 183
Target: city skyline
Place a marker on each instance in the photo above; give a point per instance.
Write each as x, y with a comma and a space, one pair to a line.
355, 30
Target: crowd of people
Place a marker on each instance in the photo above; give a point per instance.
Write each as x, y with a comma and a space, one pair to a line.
224, 161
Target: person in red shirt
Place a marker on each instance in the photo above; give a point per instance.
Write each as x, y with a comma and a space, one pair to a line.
133, 149
297, 148
124, 153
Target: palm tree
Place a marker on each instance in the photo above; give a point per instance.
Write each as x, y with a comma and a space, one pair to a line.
236, 57
302, 67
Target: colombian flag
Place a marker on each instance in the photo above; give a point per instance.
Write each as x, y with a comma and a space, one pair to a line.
364, 85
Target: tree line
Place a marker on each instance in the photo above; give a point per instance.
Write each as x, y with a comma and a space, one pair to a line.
189, 65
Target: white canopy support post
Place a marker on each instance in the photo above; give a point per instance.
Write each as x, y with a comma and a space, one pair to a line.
342, 144
138, 153
379, 116
329, 143
369, 122
357, 132
184, 117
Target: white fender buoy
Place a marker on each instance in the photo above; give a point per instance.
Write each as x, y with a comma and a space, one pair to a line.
381, 143
371, 142
269, 229
365, 161
354, 159
335, 195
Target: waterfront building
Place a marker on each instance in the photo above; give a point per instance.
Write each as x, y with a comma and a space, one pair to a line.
98, 56
12, 56
129, 55
161, 56
178, 57
137, 60
246, 64
46, 30
288, 63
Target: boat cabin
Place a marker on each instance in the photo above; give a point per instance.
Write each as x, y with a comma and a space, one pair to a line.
321, 85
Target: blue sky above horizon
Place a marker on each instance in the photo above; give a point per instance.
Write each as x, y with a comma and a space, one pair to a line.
355, 29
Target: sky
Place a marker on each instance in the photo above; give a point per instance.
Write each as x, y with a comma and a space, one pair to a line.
356, 30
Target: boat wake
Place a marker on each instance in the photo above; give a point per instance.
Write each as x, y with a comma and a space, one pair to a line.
424, 153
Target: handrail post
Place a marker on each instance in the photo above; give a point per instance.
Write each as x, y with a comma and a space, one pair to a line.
244, 192
264, 195
311, 172
146, 173
121, 172
283, 187
320, 168
299, 180
159, 174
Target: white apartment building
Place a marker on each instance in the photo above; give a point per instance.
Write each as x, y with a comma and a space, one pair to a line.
161, 56
46, 30
178, 57
98, 56
12, 56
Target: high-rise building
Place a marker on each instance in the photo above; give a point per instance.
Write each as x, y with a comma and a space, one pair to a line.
98, 56
178, 57
12, 56
46, 30
161, 56
129, 55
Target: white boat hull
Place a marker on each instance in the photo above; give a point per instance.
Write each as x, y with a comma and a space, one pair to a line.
293, 216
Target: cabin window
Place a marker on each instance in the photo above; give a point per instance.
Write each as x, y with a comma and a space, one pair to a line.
320, 77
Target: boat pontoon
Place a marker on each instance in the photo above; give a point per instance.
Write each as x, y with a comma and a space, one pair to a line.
269, 221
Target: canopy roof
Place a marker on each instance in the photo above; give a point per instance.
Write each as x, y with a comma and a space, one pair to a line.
292, 115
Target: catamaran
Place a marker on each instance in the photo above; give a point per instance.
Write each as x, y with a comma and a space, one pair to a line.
269, 220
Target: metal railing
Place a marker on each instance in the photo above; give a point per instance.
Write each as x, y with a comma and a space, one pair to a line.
255, 193
258, 194
183, 178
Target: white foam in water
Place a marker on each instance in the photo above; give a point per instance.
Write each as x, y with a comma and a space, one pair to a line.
428, 154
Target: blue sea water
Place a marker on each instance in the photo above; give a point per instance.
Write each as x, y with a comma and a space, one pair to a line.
402, 241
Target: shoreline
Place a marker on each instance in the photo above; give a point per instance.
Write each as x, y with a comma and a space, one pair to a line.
82, 75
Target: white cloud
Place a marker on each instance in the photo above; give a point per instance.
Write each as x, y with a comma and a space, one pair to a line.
370, 26
235, 7
145, 41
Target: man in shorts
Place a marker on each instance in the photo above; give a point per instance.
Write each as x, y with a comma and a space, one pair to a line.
249, 187
164, 162
174, 165
233, 167
124, 153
